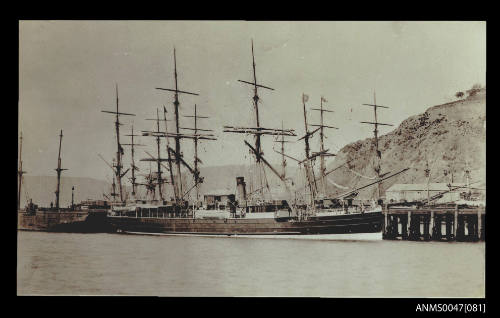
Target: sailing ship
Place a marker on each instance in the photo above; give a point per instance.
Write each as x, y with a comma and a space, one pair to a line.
326, 204
87, 216
241, 213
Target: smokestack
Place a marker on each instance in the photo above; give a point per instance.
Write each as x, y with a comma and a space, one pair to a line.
241, 188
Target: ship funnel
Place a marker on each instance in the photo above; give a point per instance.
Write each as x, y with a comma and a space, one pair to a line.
241, 188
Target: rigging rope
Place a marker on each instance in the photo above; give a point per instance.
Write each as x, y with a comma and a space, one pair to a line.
360, 175
265, 178
337, 185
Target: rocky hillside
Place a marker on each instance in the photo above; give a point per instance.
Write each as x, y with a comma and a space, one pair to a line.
447, 135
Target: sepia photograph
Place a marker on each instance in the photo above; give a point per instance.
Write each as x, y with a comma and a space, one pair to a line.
234, 158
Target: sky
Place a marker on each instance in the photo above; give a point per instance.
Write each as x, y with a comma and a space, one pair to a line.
68, 71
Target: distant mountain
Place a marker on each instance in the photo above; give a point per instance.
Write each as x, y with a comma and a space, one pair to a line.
447, 135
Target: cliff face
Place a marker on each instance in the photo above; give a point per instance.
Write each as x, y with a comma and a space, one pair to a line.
447, 135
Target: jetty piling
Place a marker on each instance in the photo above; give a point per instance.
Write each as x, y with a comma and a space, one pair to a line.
427, 221
449, 227
434, 223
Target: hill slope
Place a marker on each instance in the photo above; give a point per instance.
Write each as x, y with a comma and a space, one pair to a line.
448, 135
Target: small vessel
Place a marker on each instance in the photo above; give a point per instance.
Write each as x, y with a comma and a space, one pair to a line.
87, 216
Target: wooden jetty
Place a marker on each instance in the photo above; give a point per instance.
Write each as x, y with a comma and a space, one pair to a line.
435, 222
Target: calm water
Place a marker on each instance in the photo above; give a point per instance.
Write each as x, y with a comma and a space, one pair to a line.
113, 264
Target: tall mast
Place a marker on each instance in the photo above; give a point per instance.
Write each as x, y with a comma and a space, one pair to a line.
375, 132
113, 188
197, 171
72, 197
311, 180
467, 176
133, 162
20, 172
119, 166
177, 139
256, 106
59, 170
133, 167
322, 148
172, 179
283, 160
323, 153
119, 151
306, 138
158, 154
260, 184
428, 177
196, 139
379, 155
257, 131
157, 134
177, 136
166, 134
282, 141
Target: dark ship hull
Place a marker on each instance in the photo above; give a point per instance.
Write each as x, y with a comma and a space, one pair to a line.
370, 222
80, 221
